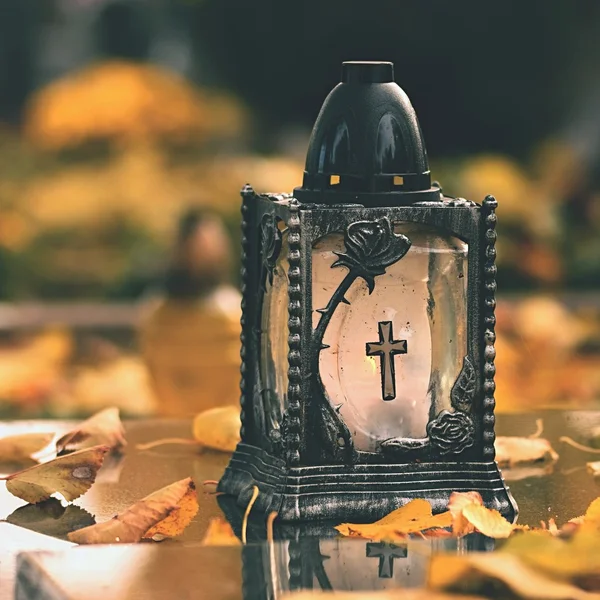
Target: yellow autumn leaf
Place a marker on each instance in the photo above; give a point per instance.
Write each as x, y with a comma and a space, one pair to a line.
134, 523
480, 572
70, 475
414, 517
220, 533
487, 521
218, 428
20, 447
104, 427
458, 500
567, 560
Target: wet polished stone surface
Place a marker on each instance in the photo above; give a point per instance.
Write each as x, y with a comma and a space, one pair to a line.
563, 493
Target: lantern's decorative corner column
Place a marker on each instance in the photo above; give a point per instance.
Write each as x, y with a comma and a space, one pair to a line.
245, 389
293, 421
251, 465
489, 319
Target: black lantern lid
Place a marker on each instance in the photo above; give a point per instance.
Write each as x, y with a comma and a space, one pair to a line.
366, 146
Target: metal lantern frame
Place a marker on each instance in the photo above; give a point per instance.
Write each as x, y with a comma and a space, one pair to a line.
306, 466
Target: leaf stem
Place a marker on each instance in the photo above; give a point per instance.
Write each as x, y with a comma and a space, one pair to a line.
165, 441
247, 513
571, 442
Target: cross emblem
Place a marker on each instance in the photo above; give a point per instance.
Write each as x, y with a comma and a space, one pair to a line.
386, 553
386, 348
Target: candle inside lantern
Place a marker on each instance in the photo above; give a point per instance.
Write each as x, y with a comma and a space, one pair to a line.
412, 327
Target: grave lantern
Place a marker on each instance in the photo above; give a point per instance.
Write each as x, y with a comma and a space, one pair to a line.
368, 324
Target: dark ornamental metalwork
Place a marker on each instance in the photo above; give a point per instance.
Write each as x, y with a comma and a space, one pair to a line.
386, 348
488, 210
465, 387
302, 456
386, 553
451, 432
270, 247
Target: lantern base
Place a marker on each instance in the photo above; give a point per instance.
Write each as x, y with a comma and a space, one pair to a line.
361, 492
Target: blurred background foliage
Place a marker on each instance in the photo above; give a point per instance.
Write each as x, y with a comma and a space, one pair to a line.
117, 116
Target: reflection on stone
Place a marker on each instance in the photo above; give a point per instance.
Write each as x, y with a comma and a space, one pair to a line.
51, 518
305, 563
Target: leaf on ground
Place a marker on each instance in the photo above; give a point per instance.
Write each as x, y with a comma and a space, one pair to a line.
478, 573
15, 448
179, 518
487, 521
71, 476
218, 428
104, 428
51, 518
563, 559
469, 514
220, 533
413, 517
134, 523
512, 450
458, 501
593, 468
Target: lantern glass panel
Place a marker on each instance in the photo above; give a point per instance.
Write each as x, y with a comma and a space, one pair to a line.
418, 309
274, 336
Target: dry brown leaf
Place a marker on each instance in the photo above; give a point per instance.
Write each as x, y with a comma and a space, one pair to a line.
131, 525
512, 450
487, 521
71, 476
218, 428
411, 518
458, 501
220, 533
16, 448
104, 427
477, 572
179, 518
593, 468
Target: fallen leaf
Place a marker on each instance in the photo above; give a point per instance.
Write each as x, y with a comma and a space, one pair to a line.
512, 450
593, 468
411, 518
478, 573
487, 521
50, 517
134, 523
563, 559
21, 447
218, 428
458, 500
528, 471
104, 428
71, 476
179, 518
220, 533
